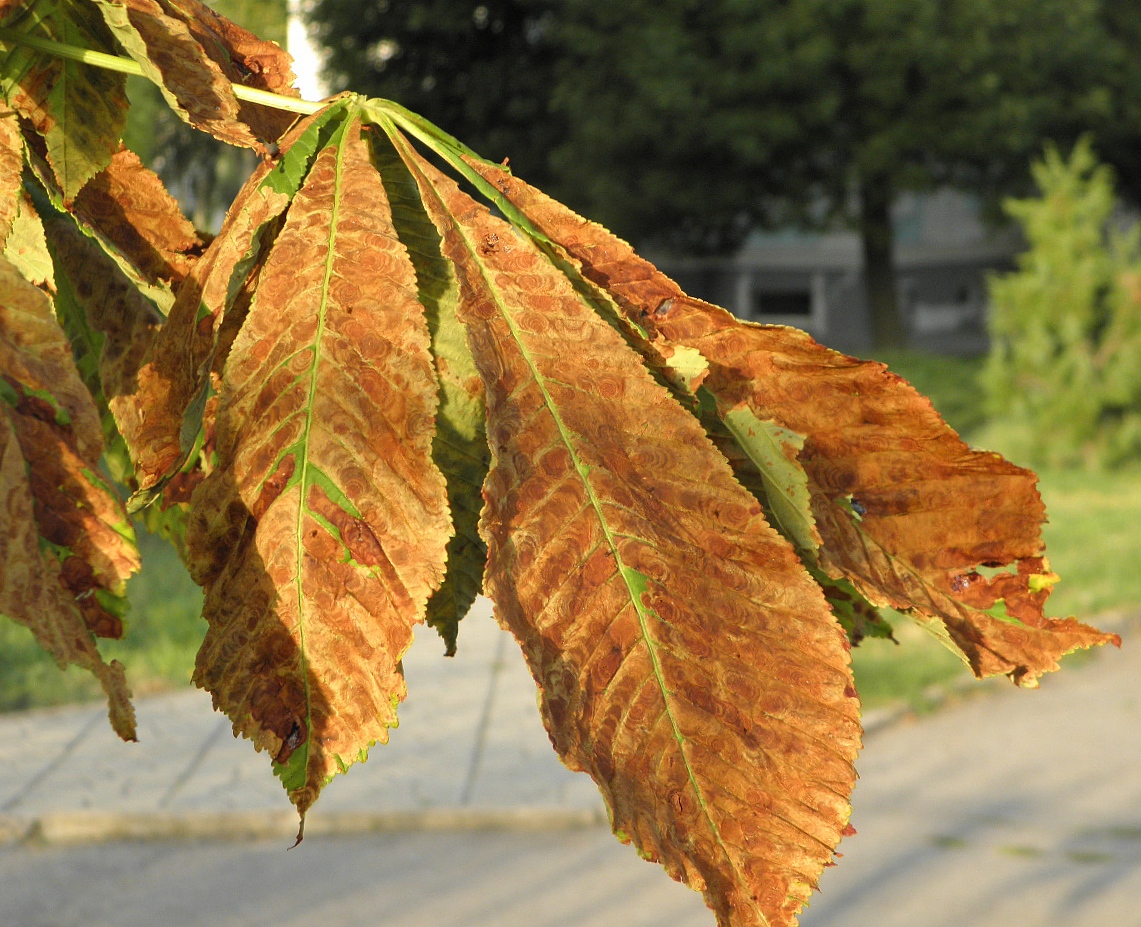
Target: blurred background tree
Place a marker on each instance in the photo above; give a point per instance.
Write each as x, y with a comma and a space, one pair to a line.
1063, 378
688, 124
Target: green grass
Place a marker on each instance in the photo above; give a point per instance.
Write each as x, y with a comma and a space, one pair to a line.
163, 631
1092, 539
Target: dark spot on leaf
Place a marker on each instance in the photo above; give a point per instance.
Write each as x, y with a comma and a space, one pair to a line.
273, 486
294, 739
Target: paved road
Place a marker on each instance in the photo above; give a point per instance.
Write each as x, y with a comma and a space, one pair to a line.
1007, 808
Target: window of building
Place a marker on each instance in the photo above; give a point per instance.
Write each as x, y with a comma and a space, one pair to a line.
782, 302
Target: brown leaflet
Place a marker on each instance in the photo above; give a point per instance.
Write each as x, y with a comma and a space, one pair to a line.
114, 309
244, 59
684, 657
131, 208
175, 373
32, 592
11, 167
35, 355
57, 424
322, 532
910, 510
54, 425
192, 82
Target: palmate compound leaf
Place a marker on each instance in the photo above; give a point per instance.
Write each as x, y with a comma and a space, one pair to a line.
684, 657
322, 532
79, 110
67, 548
906, 511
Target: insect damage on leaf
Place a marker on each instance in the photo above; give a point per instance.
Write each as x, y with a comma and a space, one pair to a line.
322, 532
460, 447
362, 362
130, 207
68, 549
933, 508
174, 377
685, 659
194, 66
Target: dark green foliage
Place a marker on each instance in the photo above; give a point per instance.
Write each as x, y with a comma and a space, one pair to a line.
687, 124
484, 70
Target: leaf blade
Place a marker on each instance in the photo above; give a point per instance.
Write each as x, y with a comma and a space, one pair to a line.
171, 57
619, 551
79, 110
162, 419
68, 549
325, 501
460, 447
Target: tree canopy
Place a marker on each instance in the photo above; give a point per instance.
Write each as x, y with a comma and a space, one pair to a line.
690, 123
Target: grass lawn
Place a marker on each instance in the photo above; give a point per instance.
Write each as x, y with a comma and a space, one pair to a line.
1092, 539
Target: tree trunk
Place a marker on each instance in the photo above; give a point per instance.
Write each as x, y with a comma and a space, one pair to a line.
888, 330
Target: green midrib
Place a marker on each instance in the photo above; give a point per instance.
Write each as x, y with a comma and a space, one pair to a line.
635, 581
303, 442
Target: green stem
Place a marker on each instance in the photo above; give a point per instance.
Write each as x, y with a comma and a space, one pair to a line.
128, 66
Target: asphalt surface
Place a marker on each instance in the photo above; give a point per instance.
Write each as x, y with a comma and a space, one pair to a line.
1005, 807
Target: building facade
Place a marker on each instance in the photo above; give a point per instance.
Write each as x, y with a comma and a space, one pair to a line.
944, 254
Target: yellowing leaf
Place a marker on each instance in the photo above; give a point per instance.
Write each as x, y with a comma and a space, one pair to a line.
67, 549
11, 166
79, 110
26, 247
129, 206
774, 451
460, 446
684, 657
322, 532
906, 511
157, 426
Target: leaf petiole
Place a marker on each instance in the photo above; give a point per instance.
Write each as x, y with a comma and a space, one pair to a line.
129, 66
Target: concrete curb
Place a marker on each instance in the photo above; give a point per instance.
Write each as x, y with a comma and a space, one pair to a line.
69, 828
